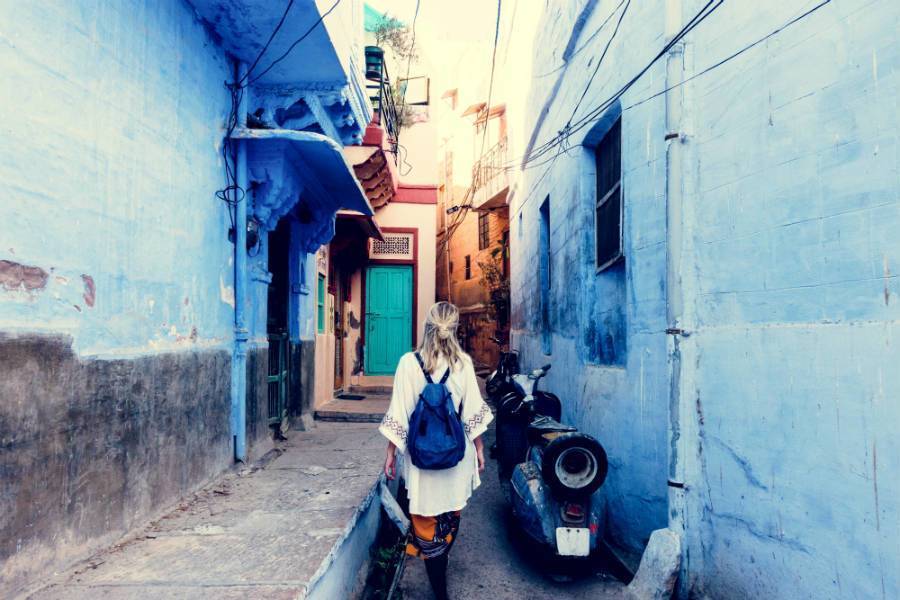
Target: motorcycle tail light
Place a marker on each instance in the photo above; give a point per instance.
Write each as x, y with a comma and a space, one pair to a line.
573, 512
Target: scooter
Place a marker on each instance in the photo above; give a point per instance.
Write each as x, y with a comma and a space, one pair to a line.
549, 471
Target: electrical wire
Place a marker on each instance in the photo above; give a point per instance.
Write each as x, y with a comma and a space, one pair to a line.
597, 111
561, 138
599, 63
592, 115
470, 191
487, 115
587, 43
268, 42
232, 194
295, 43
732, 56
412, 51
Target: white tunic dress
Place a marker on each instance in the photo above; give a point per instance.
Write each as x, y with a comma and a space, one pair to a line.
435, 492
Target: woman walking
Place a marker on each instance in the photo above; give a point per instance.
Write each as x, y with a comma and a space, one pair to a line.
437, 492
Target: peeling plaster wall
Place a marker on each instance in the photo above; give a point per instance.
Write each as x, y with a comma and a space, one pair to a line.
789, 286
114, 247
112, 123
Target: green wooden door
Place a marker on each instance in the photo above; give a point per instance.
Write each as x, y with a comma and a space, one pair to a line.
389, 293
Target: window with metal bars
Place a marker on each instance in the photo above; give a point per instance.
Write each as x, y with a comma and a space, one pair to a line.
608, 209
484, 230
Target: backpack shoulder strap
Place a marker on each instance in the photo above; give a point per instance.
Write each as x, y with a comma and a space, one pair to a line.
444, 381
424, 372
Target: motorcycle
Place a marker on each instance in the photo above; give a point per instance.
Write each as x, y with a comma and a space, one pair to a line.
549, 471
499, 382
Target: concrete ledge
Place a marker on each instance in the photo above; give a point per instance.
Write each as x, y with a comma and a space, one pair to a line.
343, 572
298, 526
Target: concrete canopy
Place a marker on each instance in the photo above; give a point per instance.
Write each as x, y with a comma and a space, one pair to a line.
307, 77
287, 165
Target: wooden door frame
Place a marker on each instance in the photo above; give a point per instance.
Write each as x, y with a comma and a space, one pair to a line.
378, 262
338, 316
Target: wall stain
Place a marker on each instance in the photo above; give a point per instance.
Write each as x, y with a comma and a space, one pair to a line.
751, 529
90, 290
354, 322
875, 485
742, 462
14, 276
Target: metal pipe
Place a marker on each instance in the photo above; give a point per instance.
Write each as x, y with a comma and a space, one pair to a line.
674, 103
241, 334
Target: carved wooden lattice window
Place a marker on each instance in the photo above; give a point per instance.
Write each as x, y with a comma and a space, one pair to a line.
397, 246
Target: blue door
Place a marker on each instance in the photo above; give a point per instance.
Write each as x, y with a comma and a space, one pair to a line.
389, 294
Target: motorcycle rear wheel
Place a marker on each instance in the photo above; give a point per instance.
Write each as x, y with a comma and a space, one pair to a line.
575, 444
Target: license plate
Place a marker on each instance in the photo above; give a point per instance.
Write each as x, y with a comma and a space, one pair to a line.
573, 541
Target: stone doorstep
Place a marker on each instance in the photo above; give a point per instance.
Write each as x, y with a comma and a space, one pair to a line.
370, 390
289, 526
371, 409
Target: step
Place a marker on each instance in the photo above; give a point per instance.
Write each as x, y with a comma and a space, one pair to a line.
370, 389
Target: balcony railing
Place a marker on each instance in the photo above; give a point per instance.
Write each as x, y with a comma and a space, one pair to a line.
381, 93
490, 174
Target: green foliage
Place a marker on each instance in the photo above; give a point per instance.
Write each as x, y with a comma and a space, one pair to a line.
393, 34
496, 283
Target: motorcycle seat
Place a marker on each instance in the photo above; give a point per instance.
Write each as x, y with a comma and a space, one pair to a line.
546, 425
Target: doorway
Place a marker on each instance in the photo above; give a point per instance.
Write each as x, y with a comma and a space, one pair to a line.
389, 317
340, 293
277, 323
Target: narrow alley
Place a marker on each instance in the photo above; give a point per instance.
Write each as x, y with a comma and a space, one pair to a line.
279, 278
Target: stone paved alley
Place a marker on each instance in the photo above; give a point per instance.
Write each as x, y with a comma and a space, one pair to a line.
486, 563
269, 532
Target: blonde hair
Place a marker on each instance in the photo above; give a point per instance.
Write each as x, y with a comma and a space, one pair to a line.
439, 340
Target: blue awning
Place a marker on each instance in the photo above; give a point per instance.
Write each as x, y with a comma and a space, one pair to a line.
287, 166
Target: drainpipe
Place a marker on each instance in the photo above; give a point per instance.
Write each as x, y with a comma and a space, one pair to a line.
675, 332
241, 334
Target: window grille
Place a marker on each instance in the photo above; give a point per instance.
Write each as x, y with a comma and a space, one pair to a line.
608, 210
391, 245
398, 246
484, 226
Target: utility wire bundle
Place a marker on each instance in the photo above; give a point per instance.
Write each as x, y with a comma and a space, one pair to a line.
560, 142
232, 193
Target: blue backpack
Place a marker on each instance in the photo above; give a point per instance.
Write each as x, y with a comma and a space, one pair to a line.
436, 436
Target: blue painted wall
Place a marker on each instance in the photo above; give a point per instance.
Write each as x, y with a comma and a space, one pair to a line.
608, 342
110, 157
790, 287
112, 118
